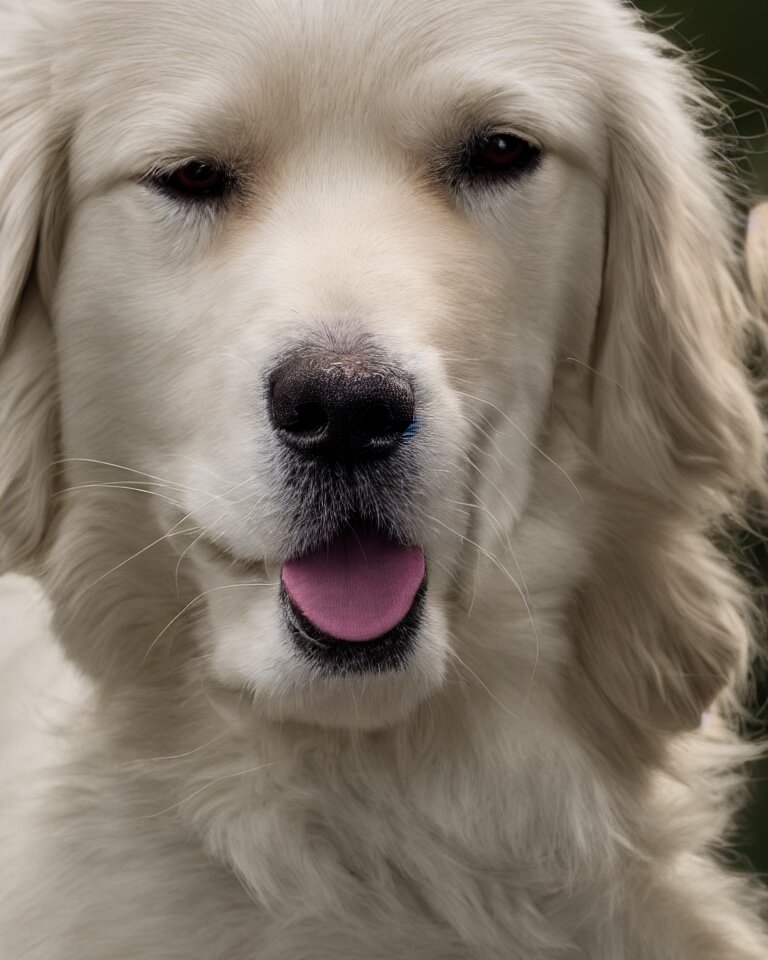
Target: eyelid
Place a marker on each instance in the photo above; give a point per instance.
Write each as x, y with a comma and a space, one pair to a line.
158, 176
164, 168
456, 167
505, 129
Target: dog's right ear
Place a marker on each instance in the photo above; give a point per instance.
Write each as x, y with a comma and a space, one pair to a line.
27, 365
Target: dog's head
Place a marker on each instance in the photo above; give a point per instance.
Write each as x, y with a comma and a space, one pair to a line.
366, 337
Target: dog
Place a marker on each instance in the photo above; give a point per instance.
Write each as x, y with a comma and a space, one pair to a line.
374, 414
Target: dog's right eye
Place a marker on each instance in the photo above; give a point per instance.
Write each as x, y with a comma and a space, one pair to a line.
195, 180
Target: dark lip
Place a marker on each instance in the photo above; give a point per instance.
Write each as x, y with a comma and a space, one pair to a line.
389, 652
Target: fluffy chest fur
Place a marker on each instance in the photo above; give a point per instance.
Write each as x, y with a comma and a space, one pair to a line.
412, 845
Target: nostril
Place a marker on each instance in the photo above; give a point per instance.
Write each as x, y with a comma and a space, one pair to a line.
381, 420
307, 418
376, 419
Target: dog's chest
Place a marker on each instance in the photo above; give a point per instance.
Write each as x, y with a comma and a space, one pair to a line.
305, 871
372, 860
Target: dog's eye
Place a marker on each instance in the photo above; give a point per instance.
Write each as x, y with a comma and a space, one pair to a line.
499, 156
195, 180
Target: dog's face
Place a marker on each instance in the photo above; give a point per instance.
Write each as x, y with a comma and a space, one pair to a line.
301, 279
320, 265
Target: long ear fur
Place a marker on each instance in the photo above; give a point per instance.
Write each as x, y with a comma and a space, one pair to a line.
27, 383
757, 256
662, 623
675, 416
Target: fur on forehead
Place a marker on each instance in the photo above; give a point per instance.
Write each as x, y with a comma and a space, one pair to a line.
414, 72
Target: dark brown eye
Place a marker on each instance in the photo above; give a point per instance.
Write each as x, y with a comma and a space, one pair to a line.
196, 180
498, 156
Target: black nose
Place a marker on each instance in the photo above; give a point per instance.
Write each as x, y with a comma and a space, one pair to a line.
339, 406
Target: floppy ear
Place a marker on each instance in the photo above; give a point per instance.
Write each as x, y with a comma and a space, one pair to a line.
662, 622
27, 383
674, 415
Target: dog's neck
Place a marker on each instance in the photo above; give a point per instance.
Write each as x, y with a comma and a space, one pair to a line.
506, 793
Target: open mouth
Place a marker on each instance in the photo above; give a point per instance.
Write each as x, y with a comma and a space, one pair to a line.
354, 604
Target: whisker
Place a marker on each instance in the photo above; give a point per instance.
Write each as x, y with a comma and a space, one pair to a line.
206, 786
177, 756
598, 373
166, 536
196, 463
495, 561
194, 600
110, 486
482, 683
229, 526
475, 583
189, 546
498, 530
120, 466
526, 438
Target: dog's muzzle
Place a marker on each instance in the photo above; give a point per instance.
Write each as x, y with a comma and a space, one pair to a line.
352, 597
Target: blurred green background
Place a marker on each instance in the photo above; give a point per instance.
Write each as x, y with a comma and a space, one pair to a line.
730, 38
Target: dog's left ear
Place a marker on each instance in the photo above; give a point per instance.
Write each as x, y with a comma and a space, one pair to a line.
27, 372
676, 426
674, 415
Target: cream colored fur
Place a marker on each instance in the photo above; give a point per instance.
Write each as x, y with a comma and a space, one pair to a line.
537, 784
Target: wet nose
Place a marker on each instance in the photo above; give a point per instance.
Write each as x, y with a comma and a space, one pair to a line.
339, 406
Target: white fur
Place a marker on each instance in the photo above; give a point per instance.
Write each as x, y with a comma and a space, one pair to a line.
535, 783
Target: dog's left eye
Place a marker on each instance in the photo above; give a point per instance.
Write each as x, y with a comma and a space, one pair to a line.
499, 156
195, 180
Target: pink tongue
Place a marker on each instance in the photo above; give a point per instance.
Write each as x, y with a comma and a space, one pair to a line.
358, 587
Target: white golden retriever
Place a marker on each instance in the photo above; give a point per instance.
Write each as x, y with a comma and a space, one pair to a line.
371, 388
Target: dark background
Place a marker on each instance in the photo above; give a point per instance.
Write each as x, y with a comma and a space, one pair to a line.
730, 40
